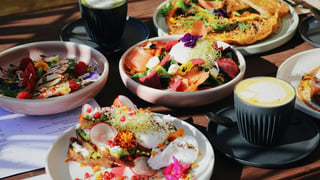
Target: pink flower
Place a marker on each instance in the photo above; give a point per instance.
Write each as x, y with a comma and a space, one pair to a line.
176, 170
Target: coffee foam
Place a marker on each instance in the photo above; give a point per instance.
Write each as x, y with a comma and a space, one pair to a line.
265, 91
103, 4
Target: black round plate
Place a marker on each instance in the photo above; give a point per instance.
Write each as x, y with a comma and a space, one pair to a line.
134, 32
309, 30
300, 140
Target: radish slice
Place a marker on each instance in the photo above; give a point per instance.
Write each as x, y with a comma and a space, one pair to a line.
86, 108
124, 101
141, 167
101, 133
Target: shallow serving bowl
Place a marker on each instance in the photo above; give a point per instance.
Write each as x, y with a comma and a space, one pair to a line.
287, 28
180, 99
61, 103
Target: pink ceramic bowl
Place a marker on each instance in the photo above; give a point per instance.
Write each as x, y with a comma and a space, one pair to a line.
180, 99
61, 103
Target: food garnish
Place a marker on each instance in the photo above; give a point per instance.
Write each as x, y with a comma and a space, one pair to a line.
189, 64
45, 78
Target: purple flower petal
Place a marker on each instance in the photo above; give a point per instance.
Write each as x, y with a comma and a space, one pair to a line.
93, 76
190, 40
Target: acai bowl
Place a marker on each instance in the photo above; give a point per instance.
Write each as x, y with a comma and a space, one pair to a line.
50, 77
181, 71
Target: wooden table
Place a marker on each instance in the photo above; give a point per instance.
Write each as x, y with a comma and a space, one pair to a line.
46, 24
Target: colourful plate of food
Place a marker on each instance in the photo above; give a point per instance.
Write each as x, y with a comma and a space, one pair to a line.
107, 143
181, 71
226, 24
302, 70
49, 77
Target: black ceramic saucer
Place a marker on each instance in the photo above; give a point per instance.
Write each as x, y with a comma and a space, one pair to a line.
300, 140
309, 30
135, 31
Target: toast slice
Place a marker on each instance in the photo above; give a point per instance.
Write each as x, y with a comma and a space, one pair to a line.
94, 155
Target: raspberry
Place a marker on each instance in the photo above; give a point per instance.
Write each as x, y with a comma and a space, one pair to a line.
24, 95
80, 68
73, 86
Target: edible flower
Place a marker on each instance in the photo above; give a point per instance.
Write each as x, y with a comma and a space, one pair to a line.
176, 170
41, 65
185, 67
190, 40
93, 76
125, 139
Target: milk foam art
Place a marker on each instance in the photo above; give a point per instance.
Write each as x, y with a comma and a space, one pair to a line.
265, 91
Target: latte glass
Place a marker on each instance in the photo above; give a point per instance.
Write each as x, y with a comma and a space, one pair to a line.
263, 107
104, 20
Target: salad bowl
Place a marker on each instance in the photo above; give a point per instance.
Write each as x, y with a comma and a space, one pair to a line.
55, 104
180, 99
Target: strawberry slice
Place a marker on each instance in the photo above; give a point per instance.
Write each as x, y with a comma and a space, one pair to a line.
151, 80
228, 66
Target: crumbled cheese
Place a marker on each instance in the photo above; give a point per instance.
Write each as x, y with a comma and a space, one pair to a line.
173, 68
153, 62
80, 149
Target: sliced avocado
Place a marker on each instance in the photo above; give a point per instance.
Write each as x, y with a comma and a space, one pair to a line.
119, 153
95, 155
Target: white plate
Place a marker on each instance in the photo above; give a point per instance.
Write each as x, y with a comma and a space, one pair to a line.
287, 27
292, 70
57, 168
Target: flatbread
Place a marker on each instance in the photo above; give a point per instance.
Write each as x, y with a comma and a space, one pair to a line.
235, 5
268, 8
259, 29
